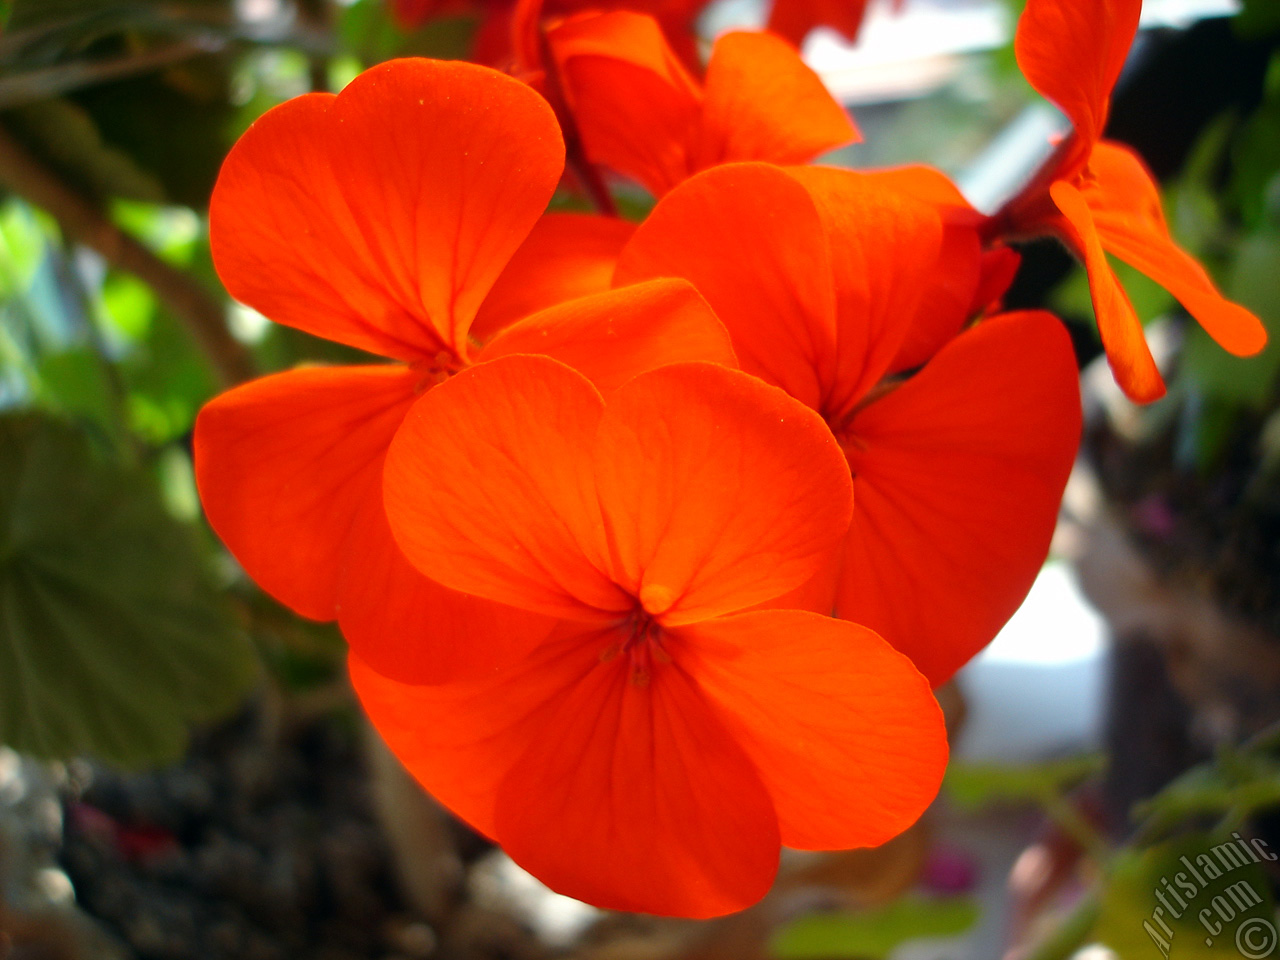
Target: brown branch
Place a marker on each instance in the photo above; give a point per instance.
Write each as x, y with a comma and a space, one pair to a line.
82, 222
20, 88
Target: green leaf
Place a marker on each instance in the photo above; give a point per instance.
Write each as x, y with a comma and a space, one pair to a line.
112, 638
74, 383
1239, 784
874, 934
1166, 900
974, 786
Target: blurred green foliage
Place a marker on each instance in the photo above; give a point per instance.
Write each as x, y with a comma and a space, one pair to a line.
977, 786
1258, 18
131, 105
874, 934
1136, 881
112, 634
115, 629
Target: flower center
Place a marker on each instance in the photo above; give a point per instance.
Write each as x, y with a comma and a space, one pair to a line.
433, 371
641, 642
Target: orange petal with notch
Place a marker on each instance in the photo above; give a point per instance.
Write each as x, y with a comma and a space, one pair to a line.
761, 102
774, 293
1125, 203
1072, 51
381, 217
489, 488
719, 492
613, 336
566, 255
843, 729
958, 477
1118, 324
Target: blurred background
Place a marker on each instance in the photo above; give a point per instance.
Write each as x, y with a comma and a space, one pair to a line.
183, 771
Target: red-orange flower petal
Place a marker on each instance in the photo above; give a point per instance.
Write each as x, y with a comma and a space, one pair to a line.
718, 491
641, 114
290, 474
459, 739
750, 239
1072, 52
634, 104
381, 217
958, 477
827, 272
931, 186
698, 490
566, 255
490, 489
761, 102
843, 729
409, 627
612, 336
999, 268
283, 464
1118, 324
643, 783
949, 302
963, 283
885, 265
628, 796
794, 19
1125, 202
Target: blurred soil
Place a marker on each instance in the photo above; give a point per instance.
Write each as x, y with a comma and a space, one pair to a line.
261, 845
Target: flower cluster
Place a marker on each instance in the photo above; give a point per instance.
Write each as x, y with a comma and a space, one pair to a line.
651, 542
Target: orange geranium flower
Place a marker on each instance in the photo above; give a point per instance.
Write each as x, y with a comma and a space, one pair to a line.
640, 113
654, 753
958, 469
381, 218
1099, 197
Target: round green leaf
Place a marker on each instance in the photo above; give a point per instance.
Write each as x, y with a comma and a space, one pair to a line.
112, 638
